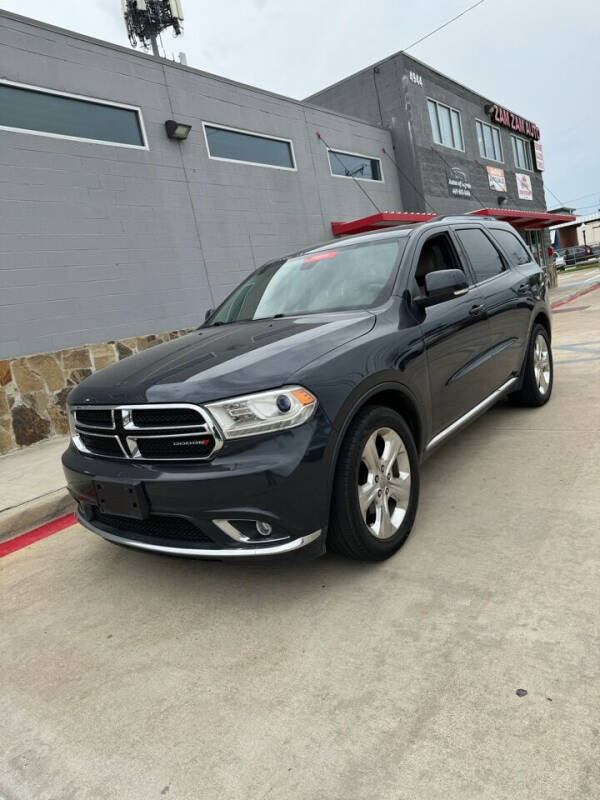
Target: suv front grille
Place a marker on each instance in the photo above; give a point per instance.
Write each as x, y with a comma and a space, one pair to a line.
190, 444
95, 417
147, 432
166, 418
102, 445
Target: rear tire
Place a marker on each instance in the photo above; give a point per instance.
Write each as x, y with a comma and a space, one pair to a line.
376, 486
538, 371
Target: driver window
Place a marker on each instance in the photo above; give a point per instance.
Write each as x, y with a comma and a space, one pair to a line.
436, 253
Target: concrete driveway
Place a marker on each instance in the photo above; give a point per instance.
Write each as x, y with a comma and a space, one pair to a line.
131, 676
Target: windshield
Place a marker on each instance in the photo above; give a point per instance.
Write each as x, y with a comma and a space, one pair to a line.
335, 279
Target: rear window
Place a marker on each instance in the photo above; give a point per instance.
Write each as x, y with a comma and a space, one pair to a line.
513, 246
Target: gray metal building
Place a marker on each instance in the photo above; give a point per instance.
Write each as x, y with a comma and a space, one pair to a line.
456, 150
105, 241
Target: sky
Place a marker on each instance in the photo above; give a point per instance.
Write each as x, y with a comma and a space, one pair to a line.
539, 58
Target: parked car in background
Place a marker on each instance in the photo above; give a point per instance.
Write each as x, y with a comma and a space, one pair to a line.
297, 416
576, 255
559, 262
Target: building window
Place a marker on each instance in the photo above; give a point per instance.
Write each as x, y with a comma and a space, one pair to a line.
231, 144
522, 152
488, 137
445, 125
44, 112
352, 165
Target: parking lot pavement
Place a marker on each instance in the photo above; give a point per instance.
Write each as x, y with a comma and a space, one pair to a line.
127, 675
572, 282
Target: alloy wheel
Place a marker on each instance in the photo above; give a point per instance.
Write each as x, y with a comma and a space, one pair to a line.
384, 483
541, 364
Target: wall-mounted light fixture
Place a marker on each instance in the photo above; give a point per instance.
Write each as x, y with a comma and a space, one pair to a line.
177, 130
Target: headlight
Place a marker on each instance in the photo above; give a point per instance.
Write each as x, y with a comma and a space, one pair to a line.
264, 412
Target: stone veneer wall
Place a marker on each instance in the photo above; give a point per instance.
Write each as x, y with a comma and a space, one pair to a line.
34, 389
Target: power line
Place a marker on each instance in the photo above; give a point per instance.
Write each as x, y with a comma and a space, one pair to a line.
583, 196
445, 25
560, 202
408, 180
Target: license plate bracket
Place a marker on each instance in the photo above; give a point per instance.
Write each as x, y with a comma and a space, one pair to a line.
122, 499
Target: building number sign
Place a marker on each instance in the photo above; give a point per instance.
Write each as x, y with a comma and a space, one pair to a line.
415, 78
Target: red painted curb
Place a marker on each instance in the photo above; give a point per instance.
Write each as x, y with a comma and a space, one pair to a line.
575, 296
25, 539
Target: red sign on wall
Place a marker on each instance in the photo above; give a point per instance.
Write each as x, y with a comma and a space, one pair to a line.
502, 116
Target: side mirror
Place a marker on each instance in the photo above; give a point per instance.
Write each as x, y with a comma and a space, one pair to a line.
209, 313
442, 285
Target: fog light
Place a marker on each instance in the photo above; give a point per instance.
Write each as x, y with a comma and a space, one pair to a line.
264, 528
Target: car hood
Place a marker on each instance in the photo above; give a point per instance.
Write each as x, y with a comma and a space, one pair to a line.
223, 361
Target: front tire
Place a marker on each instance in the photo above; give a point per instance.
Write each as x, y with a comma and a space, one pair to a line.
376, 486
538, 371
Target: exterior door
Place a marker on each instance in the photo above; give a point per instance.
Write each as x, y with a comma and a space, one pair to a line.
504, 291
455, 334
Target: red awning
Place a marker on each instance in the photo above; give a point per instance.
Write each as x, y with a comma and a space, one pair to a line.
386, 219
532, 220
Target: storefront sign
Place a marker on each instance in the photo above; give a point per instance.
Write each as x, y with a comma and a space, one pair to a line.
459, 184
524, 186
539, 155
502, 116
496, 179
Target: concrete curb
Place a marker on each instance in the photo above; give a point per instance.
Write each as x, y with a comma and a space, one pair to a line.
33, 513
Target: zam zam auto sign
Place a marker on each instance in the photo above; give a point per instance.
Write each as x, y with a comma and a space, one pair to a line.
506, 118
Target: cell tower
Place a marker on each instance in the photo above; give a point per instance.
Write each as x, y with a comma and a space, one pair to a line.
146, 19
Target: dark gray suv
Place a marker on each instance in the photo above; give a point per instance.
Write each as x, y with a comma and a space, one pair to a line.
296, 418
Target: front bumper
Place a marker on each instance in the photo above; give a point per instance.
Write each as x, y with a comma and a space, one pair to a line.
280, 479
256, 552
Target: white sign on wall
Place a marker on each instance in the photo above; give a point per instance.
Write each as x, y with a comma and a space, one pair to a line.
524, 186
539, 155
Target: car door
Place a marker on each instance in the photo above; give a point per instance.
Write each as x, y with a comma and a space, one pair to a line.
455, 333
503, 289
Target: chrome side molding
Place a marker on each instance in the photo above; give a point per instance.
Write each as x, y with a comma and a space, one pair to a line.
475, 411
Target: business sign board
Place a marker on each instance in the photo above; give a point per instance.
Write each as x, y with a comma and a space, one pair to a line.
524, 186
496, 179
506, 118
459, 184
539, 155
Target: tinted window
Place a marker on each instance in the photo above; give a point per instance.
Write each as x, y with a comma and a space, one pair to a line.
31, 110
249, 147
324, 280
515, 249
350, 165
484, 257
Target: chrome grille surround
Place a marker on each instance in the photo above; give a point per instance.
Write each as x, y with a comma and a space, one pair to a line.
126, 434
